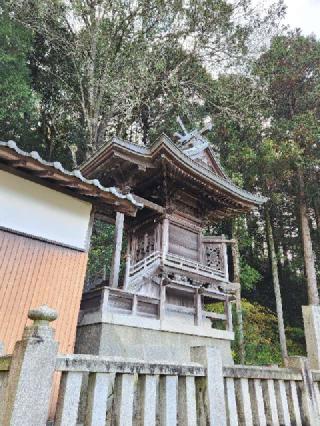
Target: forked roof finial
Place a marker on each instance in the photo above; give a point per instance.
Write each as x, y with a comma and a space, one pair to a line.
187, 136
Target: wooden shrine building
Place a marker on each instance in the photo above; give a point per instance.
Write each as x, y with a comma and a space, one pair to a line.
157, 306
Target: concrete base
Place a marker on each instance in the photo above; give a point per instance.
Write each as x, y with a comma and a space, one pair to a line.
149, 344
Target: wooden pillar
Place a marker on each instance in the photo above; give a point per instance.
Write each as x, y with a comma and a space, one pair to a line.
127, 271
115, 267
228, 313
165, 237
198, 307
163, 296
128, 263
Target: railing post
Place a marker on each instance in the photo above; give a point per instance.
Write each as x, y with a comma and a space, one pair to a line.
198, 307
228, 313
31, 372
225, 259
211, 388
104, 301
162, 302
127, 271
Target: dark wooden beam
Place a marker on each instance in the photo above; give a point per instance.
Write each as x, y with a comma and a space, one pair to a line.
149, 204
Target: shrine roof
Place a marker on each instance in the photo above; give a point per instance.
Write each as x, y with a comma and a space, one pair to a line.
166, 149
55, 175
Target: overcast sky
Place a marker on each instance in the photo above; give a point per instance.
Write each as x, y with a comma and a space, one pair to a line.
304, 14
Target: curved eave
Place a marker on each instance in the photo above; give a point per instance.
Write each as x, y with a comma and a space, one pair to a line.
200, 171
223, 183
75, 182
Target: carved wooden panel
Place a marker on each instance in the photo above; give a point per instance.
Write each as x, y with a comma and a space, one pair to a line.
145, 245
214, 256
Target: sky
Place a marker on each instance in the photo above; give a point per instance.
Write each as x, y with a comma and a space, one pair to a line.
304, 14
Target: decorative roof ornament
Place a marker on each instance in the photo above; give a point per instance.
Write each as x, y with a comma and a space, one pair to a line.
194, 135
192, 143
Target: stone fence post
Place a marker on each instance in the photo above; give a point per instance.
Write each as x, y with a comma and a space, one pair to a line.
210, 389
311, 320
31, 371
310, 409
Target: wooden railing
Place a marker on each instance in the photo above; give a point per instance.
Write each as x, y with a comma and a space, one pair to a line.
120, 301
192, 266
144, 263
176, 262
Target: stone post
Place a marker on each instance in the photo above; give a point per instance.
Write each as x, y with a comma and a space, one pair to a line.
31, 372
210, 390
310, 411
311, 319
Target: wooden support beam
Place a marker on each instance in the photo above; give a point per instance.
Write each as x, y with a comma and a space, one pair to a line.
149, 204
115, 267
45, 173
18, 163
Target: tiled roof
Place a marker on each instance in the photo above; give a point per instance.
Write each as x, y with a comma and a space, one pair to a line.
9, 150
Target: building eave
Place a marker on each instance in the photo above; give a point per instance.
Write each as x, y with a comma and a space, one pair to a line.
15, 158
194, 167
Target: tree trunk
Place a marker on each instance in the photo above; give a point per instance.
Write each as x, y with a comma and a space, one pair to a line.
309, 261
236, 278
316, 208
276, 287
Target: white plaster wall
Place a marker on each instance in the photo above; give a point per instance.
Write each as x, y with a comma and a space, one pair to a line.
42, 212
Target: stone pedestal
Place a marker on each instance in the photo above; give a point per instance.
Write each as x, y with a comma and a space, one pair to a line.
311, 319
148, 339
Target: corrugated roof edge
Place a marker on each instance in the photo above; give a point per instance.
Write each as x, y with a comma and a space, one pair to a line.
76, 173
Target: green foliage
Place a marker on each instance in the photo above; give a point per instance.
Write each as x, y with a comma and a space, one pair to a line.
18, 102
261, 336
249, 276
128, 67
100, 253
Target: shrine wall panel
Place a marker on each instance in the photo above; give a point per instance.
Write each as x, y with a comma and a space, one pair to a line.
33, 273
183, 242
